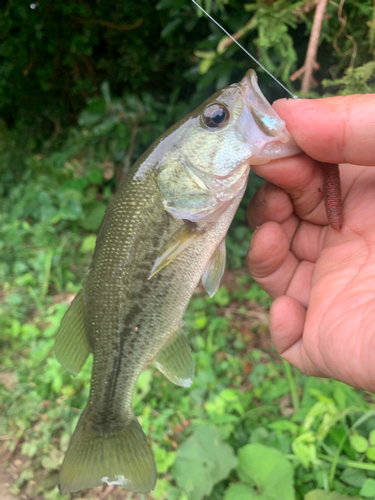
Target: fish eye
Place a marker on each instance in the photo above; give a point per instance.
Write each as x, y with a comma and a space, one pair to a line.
215, 116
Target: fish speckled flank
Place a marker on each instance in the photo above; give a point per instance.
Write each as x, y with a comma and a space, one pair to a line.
162, 231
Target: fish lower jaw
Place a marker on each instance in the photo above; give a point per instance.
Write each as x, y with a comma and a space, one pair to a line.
274, 151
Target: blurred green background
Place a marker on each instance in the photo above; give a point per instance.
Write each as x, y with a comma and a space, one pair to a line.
85, 87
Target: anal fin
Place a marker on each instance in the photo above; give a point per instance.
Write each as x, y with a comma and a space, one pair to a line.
71, 346
181, 239
214, 271
175, 361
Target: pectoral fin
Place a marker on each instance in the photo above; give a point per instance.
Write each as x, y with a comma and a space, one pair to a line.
71, 346
175, 360
181, 239
215, 270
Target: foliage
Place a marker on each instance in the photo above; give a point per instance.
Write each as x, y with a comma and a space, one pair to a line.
62, 51
356, 80
265, 474
85, 87
202, 461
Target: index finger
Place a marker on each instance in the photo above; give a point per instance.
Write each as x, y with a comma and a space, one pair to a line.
334, 129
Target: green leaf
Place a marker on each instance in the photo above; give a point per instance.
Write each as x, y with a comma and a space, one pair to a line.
304, 446
70, 205
169, 4
142, 387
202, 461
94, 112
94, 213
88, 244
104, 87
95, 176
205, 65
105, 126
171, 27
267, 469
173, 494
368, 489
165, 459
358, 443
284, 425
200, 322
372, 438
240, 491
326, 495
353, 477
259, 435
370, 453
222, 297
161, 488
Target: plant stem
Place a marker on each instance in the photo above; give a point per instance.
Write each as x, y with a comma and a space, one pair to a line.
255, 410
313, 45
335, 460
292, 385
348, 463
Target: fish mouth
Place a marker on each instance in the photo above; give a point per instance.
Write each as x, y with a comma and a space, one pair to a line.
265, 116
262, 125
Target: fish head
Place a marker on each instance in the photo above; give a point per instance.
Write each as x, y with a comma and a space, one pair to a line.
210, 152
236, 125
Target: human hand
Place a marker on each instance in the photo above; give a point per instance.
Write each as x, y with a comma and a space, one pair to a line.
323, 281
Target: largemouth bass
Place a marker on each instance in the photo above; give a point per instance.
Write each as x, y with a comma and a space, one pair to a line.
164, 230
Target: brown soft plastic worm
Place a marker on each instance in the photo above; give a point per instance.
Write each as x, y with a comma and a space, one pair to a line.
332, 194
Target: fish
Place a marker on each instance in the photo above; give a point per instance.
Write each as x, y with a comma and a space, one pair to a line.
162, 232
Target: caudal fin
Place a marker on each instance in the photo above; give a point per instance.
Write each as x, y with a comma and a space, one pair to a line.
123, 458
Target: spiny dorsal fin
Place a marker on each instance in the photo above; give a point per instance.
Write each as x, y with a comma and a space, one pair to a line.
214, 271
175, 361
181, 239
71, 346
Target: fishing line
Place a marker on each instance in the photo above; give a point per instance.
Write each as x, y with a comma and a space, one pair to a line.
246, 52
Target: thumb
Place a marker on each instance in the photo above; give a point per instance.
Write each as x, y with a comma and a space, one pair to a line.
334, 129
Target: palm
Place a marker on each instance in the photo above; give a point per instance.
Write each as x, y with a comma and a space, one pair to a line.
341, 303
323, 279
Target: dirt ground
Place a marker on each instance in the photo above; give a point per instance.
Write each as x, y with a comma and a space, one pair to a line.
7, 479
10, 471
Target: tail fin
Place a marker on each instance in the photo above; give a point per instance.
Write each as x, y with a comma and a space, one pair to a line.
123, 458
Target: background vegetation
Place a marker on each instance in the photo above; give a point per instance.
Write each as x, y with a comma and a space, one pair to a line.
85, 87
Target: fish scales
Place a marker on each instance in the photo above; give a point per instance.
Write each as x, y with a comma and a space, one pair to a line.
143, 312
164, 230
